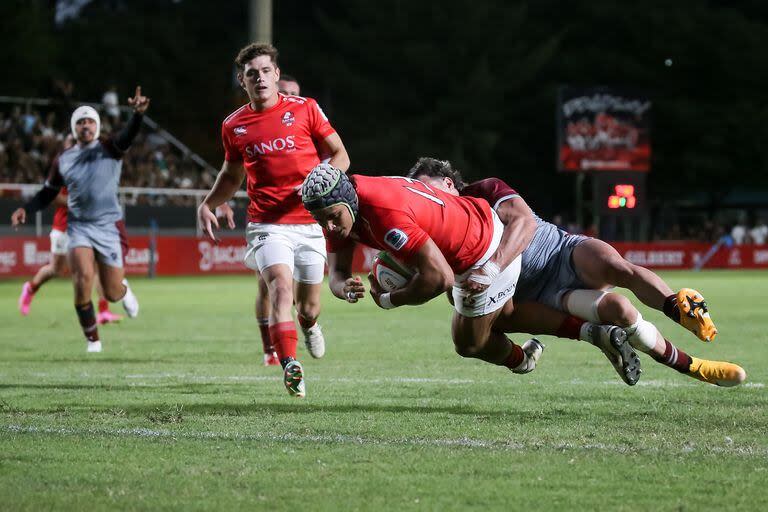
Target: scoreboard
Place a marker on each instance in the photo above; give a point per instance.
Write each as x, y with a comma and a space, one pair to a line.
620, 193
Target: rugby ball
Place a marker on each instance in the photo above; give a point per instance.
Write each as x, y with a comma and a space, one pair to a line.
390, 273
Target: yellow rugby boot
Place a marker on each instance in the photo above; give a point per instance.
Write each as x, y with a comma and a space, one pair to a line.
718, 373
694, 314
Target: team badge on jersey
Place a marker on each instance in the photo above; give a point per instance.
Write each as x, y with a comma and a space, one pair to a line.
288, 118
240, 130
396, 239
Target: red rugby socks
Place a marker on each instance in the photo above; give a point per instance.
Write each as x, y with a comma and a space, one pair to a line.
284, 338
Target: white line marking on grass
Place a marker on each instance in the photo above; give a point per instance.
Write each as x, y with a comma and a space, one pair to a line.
345, 439
196, 378
249, 378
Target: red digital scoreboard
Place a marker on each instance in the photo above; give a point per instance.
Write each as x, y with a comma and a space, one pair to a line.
620, 193
623, 197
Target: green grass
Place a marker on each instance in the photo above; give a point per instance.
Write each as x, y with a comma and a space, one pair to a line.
177, 412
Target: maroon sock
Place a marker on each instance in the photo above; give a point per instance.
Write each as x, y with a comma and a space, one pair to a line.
671, 309
103, 305
674, 358
33, 288
515, 358
266, 341
87, 321
570, 328
305, 322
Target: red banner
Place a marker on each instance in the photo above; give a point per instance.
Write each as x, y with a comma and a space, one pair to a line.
687, 255
22, 256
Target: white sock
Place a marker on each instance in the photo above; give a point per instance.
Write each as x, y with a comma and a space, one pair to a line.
584, 332
642, 334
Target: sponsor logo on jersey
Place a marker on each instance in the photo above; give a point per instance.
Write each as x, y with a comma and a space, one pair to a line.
270, 146
240, 130
288, 119
396, 239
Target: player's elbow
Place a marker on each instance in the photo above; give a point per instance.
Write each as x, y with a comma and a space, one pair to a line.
443, 282
341, 160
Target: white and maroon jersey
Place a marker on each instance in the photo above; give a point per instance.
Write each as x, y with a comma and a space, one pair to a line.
60, 216
399, 215
492, 190
278, 149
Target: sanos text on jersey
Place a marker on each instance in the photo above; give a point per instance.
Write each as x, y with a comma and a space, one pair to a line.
278, 144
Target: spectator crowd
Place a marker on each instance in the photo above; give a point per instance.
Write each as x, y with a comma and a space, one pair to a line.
30, 138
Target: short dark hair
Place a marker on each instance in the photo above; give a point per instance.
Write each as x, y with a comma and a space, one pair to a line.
253, 50
284, 77
434, 168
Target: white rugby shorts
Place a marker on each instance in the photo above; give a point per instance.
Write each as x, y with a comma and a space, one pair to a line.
500, 290
300, 246
59, 242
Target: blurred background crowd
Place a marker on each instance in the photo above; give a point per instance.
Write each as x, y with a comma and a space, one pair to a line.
30, 137
386, 75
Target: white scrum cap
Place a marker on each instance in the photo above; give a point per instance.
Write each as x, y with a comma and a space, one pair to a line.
85, 112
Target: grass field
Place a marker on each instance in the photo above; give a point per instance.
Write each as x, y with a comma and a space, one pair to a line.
177, 412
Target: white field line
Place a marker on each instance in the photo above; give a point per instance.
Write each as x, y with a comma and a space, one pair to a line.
345, 439
196, 378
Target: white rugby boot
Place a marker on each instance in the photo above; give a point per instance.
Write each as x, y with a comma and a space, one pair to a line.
532, 349
93, 347
314, 341
130, 302
293, 378
613, 341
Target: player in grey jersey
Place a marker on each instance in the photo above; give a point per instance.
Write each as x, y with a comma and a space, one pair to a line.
91, 172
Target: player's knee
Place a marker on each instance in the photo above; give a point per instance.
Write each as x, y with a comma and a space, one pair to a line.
467, 349
81, 279
618, 310
281, 296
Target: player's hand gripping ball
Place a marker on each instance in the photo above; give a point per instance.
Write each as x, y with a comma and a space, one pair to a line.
390, 273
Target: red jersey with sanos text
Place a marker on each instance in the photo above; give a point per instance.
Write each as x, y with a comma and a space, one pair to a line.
399, 215
278, 148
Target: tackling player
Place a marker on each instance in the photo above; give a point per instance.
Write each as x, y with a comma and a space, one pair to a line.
447, 238
91, 172
274, 140
572, 273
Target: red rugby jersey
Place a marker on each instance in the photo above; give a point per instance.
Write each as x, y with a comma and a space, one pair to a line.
60, 216
278, 149
398, 215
